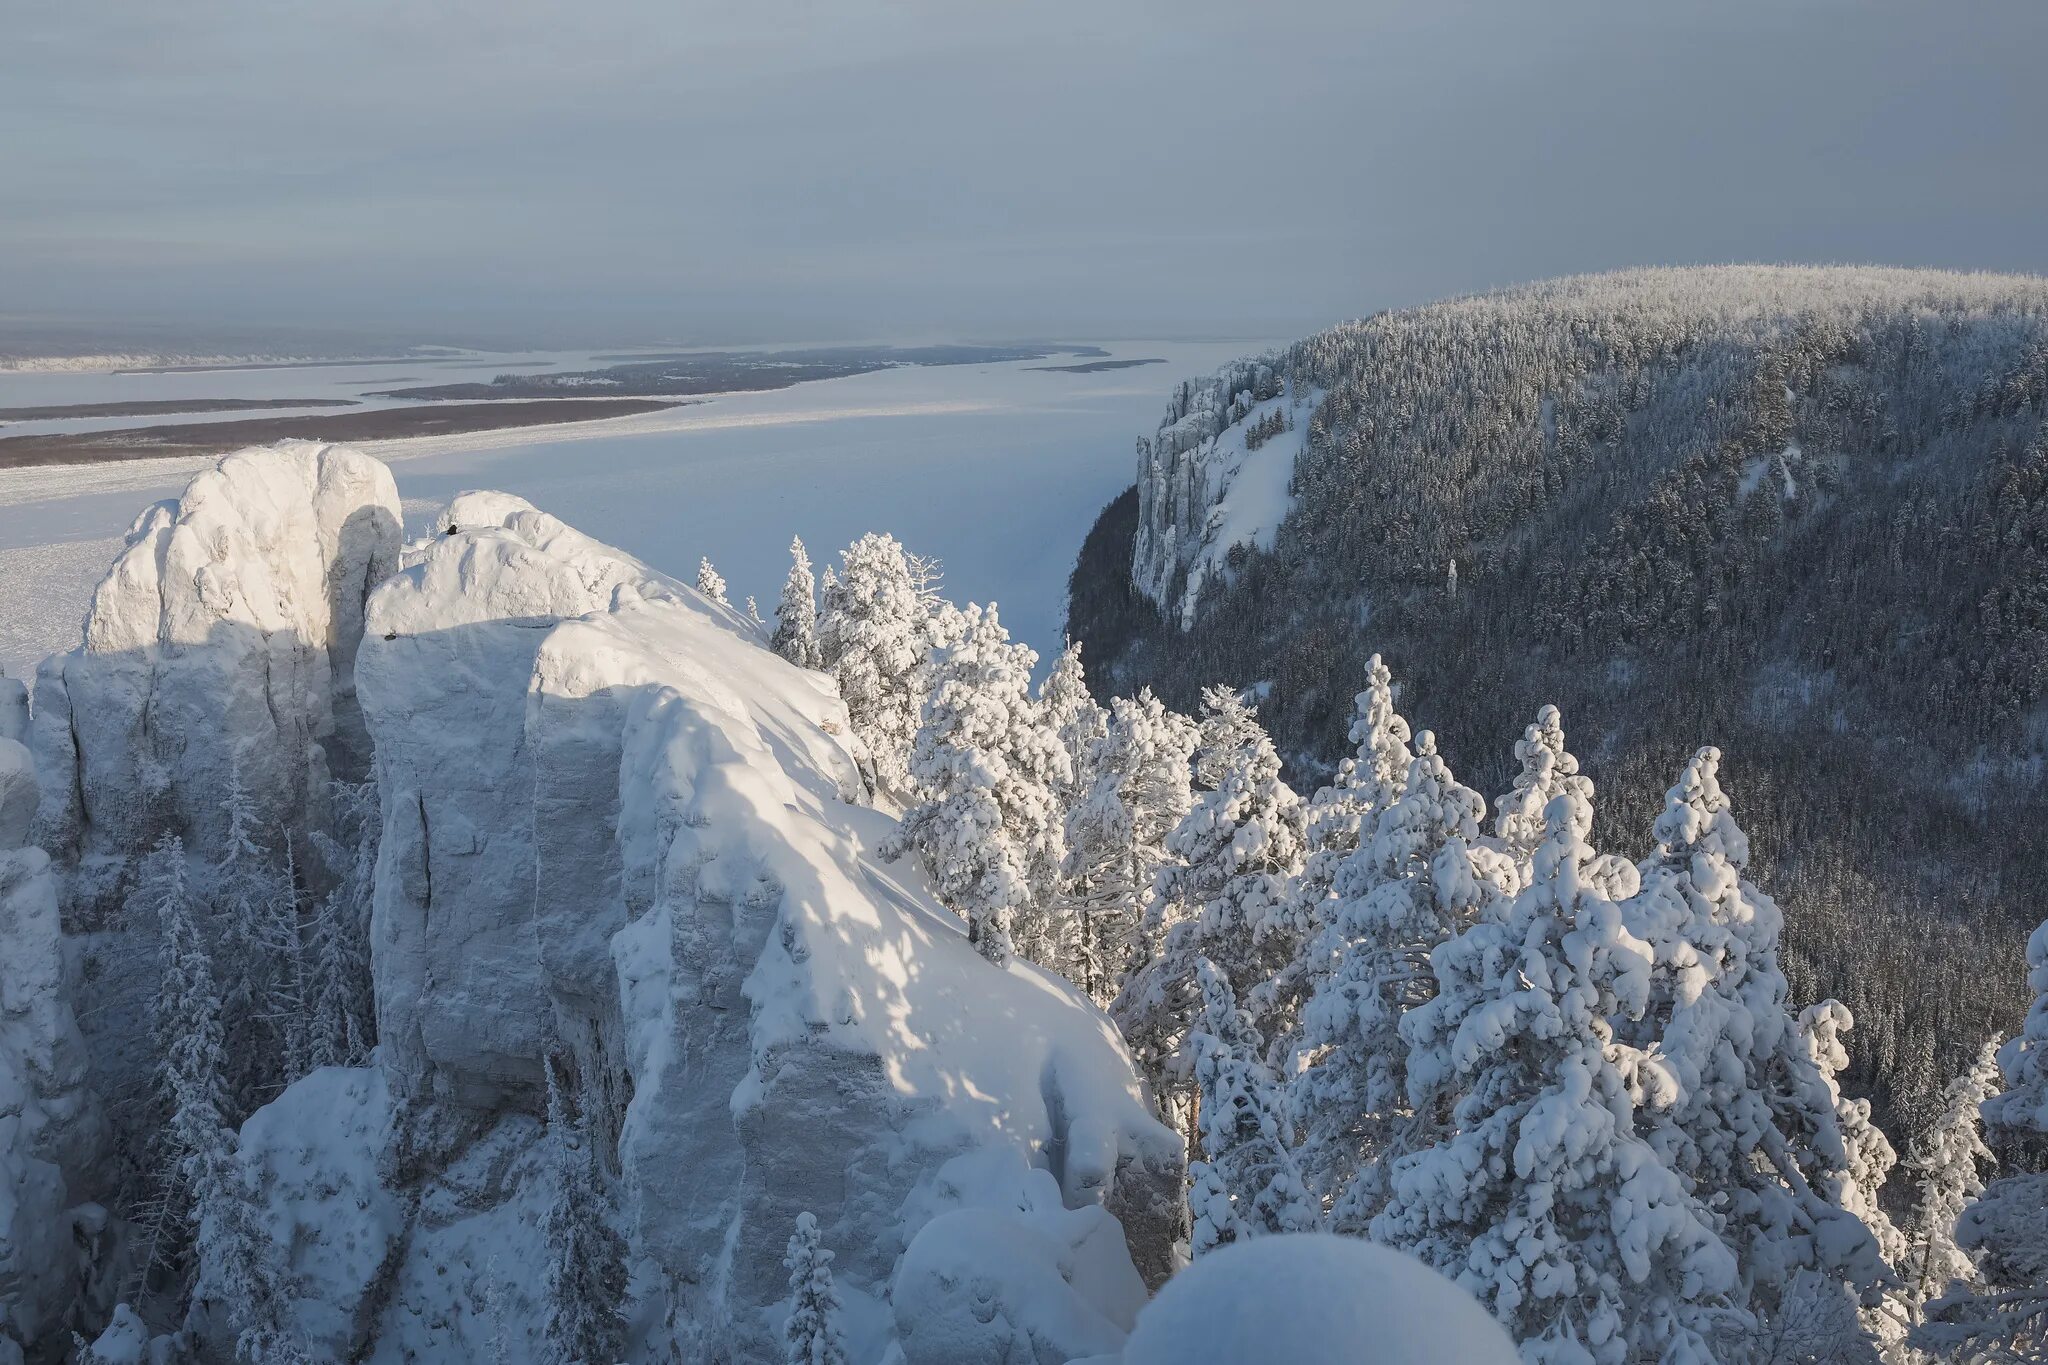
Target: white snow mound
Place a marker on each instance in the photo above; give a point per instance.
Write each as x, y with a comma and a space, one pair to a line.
1314, 1299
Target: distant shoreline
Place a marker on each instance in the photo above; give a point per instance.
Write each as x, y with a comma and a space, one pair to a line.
59, 412
377, 424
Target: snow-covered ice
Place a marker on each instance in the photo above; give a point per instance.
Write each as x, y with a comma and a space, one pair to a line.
997, 469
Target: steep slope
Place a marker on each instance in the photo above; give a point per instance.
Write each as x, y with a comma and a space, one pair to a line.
620, 839
620, 831
1798, 513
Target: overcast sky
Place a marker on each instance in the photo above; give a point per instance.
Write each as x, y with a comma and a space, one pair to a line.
622, 170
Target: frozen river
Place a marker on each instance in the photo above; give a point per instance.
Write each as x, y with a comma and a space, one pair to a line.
996, 469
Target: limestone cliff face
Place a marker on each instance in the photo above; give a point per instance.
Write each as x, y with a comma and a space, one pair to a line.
619, 829
51, 1134
220, 644
1196, 496
222, 640
616, 831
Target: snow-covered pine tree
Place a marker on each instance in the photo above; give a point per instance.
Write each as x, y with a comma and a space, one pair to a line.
1754, 1132
875, 636
1116, 833
585, 1287
1548, 770
1073, 715
1248, 1185
1419, 878
1947, 1161
1221, 895
813, 1333
1543, 1201
988, 833
796, 615
710, 583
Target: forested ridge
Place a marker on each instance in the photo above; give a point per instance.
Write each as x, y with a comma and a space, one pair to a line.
1798, 513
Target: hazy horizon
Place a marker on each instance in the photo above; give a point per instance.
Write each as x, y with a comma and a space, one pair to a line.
488, 172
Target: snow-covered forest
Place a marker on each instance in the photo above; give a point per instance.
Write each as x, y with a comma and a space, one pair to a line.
1795, 513
489, 947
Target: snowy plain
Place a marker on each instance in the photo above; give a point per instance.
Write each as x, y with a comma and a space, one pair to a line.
997, 469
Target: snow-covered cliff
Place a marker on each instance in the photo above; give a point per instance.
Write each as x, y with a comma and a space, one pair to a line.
51, 1135
619, 835
1214, 476
619, 830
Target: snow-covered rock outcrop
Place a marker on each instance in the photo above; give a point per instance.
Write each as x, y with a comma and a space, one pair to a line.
1215, 476
50, 1129
619, 830
222, 639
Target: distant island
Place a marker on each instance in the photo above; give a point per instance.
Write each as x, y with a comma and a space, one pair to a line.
1096, 366
377, 424
696, 373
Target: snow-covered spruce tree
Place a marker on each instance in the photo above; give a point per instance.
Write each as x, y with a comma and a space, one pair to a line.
796, 615
1248, 1184
1340, 816
344, 1013
1543, 1201
831, 602
288, 1003
1821, 1027
813, 1333
2005, 1230
241, 1278
1073, 715
585, 1288
1221, 896
1548, 770
1947, 1162
1228, 724
1754, 1131
1416, 881
710, 583
1116, 833
1888, 1317
2023, 1061
874, 637
243, 888
191, 1076
237, 1274
988, 832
